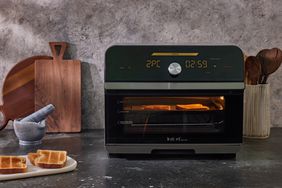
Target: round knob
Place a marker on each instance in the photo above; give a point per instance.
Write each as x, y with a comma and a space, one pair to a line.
174, 69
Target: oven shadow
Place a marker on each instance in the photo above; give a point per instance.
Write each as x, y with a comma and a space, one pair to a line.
174, 156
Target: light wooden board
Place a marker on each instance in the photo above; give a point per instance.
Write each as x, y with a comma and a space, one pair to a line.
33, 171
58, 82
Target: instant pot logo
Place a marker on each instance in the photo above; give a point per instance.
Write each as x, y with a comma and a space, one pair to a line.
176, 139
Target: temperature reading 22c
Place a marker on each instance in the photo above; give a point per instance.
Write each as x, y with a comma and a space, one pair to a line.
196, 64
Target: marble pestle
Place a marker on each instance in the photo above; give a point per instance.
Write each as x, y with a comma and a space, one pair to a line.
40, 114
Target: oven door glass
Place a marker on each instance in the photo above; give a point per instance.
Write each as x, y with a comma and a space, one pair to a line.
175, 116
162, 115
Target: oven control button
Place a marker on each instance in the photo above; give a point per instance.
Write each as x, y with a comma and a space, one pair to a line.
174, 69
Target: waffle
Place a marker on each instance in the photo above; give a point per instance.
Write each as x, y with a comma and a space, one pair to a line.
12, 164
48, 158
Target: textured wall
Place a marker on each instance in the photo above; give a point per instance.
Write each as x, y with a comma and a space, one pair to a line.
90, 27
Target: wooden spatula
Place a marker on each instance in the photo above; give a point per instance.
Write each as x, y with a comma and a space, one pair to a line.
252, 70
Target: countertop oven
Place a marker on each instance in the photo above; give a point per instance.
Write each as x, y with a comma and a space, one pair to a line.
173, 98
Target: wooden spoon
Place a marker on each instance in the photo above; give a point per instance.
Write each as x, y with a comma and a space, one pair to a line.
270, 60
252, 70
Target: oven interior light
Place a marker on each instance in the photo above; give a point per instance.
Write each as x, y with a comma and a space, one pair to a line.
173, 103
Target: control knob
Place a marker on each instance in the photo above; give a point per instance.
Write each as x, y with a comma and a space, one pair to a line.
174, 69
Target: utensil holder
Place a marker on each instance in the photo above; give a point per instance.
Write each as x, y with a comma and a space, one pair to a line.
256, 123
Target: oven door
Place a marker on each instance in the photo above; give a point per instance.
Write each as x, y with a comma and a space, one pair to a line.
138, 117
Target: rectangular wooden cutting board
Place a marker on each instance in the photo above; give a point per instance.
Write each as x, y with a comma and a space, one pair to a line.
58, 82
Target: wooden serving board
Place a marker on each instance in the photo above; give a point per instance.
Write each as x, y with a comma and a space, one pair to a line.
58, 82
33, 171
18, 91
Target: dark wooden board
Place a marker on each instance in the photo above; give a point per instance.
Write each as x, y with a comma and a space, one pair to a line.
58, 82
18, 91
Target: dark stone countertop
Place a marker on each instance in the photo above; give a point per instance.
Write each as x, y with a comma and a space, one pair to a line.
258, 164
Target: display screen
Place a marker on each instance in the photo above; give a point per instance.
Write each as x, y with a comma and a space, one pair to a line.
190, 63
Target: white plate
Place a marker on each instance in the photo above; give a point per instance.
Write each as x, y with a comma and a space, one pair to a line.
33, 171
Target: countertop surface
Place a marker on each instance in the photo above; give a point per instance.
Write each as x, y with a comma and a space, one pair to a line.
258, 164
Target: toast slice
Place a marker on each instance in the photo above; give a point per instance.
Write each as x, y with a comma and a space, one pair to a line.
199, 107
48, 158
12, 164
32, 157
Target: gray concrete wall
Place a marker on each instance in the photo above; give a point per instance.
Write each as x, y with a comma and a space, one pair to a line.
90, 26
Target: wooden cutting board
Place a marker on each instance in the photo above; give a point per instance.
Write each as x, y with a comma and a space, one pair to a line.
58, 81
18, 91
